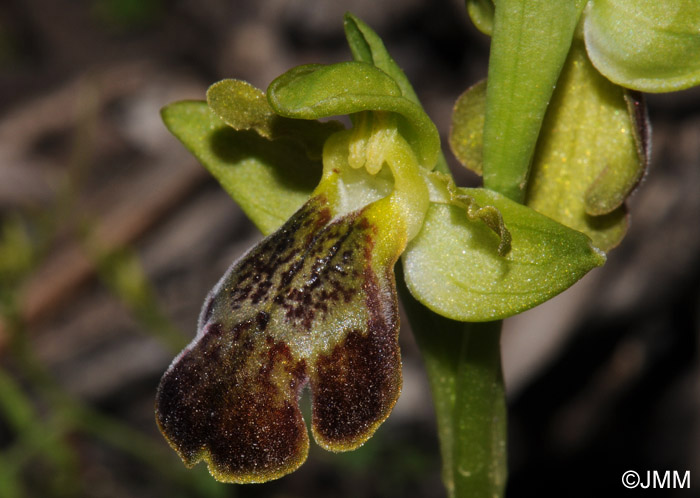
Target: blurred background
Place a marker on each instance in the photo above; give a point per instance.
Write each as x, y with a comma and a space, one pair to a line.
111, 235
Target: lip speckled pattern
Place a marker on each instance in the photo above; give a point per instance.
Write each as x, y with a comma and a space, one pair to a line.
304, 306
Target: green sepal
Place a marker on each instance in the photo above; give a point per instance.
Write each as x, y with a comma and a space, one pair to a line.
317, 91
646, 45
270, 180
244, 107
453, 266
367, 46
591, 154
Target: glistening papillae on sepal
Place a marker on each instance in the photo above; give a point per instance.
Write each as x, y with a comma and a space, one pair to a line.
592, 153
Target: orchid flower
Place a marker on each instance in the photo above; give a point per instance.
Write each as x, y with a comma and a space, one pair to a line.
315, 303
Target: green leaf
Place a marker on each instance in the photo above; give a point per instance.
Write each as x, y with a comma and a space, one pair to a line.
244, 107
647, 45
270, 180
453, 266
531, 39
467, 129
318, 91
591, 153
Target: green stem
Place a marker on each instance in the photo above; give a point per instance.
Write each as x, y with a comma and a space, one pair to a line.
531, 39
480, 414
463, 362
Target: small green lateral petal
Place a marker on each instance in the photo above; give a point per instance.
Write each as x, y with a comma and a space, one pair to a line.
591, 154
615, 183
318, 91
481, 14
467, 130
646, 45
310, 303
453, 266
270, 180
244, 107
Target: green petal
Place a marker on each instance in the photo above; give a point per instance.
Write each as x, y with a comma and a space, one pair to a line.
624, 169
244, 107
590, 155
646, 45
481, 13
269, 180
453, 266
317, 91
310, 303
467, 129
